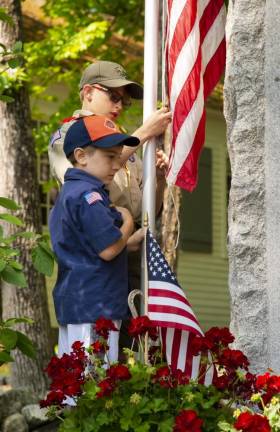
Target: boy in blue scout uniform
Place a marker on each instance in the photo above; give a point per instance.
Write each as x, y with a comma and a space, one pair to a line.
106, 90
89, 235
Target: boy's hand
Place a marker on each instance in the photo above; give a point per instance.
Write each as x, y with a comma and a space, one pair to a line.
126, 215
161, 163
157, 122
135, 240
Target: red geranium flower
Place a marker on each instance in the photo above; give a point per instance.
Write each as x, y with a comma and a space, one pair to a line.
103, 326
187, 421
248, 422
163, 377
106, 388
118, 372
53, 398
200, 344
233, 359
140, 325
222, 382
219, 337
99, 347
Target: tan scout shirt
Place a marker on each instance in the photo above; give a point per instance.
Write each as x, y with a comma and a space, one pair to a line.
126, 188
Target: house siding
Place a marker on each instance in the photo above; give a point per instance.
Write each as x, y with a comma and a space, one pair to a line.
204, 276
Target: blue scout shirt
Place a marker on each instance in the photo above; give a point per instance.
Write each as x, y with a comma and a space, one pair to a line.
82, 224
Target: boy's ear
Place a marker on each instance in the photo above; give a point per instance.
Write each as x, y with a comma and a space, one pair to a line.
80, 156
87, 91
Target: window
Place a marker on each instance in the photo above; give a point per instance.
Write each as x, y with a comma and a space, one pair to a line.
196, 210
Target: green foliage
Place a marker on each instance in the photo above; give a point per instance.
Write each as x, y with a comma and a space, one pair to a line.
10, 57
11, 270
81, 33
11, 339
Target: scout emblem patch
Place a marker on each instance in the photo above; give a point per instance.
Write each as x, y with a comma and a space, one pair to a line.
92, 197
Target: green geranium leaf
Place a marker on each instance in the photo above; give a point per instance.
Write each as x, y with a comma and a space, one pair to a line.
166, 425
13, 276
11, 219
25, 345
42, 260
8, 339
9, 204
5, 357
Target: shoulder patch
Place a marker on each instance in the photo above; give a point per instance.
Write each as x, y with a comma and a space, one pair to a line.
131, 158
55, 137
92, 197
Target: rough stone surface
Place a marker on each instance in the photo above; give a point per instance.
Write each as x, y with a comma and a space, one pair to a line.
34, 415
272, 164
14, 400
50, 427
15, 423
245, 116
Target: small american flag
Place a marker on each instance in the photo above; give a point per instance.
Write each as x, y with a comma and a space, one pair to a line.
195, 57
169, 309
92, 197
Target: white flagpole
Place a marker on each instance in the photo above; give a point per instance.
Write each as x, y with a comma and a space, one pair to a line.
149, 106
149, 150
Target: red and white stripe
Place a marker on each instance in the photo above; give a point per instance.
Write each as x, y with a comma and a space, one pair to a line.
170, 310
195, 55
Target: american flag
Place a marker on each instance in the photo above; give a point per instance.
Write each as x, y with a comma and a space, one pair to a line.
170, 310
195, 58
92, 197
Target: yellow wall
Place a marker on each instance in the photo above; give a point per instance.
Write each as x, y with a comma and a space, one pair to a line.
204, 276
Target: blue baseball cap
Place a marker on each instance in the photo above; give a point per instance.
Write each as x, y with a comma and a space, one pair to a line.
97, 131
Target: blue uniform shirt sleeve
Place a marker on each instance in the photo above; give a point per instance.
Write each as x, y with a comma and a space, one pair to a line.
99, 223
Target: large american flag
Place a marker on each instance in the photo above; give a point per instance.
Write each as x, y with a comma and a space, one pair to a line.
170, 310
195, 59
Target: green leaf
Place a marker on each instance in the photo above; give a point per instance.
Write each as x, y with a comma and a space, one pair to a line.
9, 204
13, 276
25, 345
166, 425
2, 265
12, 321
14, 62
5, 17
11, 219
8, 338
16, 265
26, 234
5, 98
17, 48
5, 357
42, 260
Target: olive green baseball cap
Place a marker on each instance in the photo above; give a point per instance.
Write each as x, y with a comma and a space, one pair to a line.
110, 75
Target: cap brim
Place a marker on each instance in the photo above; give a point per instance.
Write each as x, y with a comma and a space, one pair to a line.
116, 140
134, 90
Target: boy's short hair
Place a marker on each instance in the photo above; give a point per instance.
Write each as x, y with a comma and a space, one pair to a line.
110, 75
72, 159
97, 131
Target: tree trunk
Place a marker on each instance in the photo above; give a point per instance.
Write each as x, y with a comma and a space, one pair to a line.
245, 115
19, 181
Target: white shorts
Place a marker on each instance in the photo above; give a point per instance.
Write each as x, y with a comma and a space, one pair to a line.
84, 333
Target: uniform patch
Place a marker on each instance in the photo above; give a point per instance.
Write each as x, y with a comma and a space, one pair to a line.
55, 137
131, 158
92, 197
